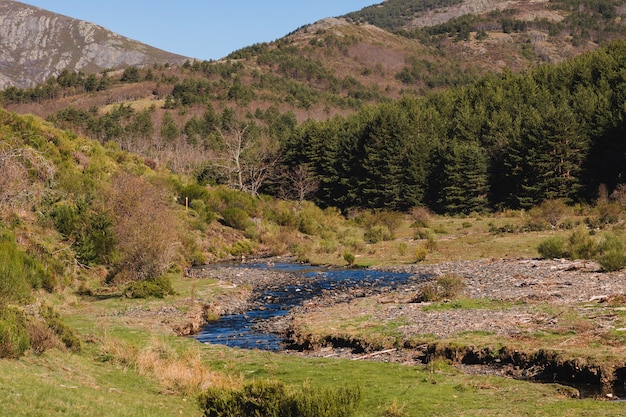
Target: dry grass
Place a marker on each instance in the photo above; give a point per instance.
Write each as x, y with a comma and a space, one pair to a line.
178, 372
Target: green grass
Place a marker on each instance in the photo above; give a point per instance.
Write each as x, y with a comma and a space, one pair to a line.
440, 390
63, 384
469, 303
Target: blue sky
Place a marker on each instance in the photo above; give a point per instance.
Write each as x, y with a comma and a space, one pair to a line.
204, 29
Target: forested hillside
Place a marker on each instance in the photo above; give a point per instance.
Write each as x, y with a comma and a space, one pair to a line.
505, 141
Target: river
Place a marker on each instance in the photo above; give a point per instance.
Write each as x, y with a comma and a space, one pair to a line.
244, 330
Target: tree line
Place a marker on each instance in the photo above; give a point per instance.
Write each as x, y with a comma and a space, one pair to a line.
505, 141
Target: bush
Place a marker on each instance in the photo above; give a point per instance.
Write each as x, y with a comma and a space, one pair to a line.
236, 218
582, 245
550, 211
65, 333
421, 216
378, 233
349, 258
146, 228
149, 288
19, 272
273, 399
553, 247
14, 340
611, 253
420, 253
448, 286
242, 247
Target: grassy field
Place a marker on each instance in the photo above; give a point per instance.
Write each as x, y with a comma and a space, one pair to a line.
132, 364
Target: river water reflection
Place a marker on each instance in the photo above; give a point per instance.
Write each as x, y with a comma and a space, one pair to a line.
242, 330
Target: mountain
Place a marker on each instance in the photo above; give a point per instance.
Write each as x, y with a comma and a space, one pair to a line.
36, 44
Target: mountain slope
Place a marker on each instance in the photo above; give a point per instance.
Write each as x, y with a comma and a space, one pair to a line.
36, 44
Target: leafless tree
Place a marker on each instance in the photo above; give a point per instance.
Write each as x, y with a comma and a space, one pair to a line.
301, 183
245, 160
19, 167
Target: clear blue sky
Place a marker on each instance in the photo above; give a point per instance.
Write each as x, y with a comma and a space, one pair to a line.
204, 29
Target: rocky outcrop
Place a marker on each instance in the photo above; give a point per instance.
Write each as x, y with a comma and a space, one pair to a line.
36, 44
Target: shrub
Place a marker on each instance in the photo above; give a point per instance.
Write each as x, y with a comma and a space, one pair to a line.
450, 286
582, 245
236, 218
420, 253
447, 286
150, 288
378, 233
65, 218
553, 247
349, 258
19, 272
550, 211
241, 247
427, 294
611, 253
58, 326
145, 226
609, 213
424, 234
421, 216
14, 340
273, 399
327, 246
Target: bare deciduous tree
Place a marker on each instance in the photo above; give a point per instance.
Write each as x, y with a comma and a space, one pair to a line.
301, 183
245, 160
19, 166
146, 228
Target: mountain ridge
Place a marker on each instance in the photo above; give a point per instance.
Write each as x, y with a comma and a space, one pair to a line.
36, 44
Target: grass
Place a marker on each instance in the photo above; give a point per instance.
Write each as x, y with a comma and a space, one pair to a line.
133, 366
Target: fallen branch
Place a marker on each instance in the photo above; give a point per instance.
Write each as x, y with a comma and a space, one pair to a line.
370, 355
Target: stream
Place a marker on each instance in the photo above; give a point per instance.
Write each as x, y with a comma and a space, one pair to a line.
246, 331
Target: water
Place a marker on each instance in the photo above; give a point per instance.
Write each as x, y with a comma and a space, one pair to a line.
242, 331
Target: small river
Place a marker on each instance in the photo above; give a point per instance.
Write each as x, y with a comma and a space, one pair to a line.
243, 330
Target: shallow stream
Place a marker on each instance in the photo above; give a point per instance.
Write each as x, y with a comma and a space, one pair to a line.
243, 330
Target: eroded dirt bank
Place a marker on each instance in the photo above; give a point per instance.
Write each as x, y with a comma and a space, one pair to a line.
554, 320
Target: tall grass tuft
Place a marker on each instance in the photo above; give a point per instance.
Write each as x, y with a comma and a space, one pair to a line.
270, 398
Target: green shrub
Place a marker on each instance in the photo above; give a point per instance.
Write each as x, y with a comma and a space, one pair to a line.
582, 245
611, 253
150, 288
193, 192
65, 218
613, 260
327, 246
241, 247
14, 340
349, 258
553, 247
19, 272
420, 253
58, 326
423, 233
609, 213
236, 218
378, 233
273, 399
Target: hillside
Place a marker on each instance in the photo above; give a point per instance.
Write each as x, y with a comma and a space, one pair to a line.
36, 44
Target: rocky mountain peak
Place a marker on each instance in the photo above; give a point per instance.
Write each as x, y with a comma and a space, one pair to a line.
36, 44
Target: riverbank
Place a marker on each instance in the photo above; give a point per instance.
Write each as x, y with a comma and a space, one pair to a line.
525, 318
